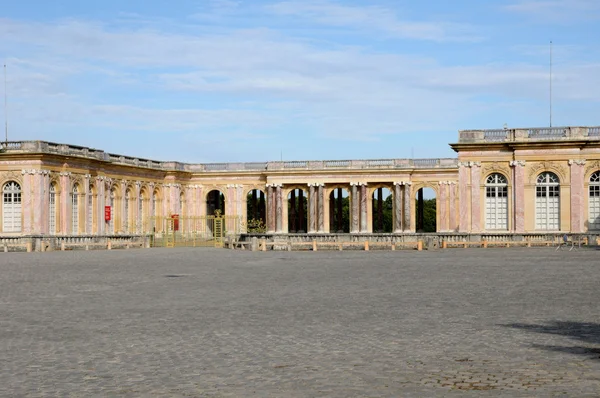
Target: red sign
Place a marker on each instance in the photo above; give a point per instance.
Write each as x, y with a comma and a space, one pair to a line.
175, 218
106, 213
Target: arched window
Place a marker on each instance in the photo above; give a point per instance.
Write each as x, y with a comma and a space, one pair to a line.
496, 202
52, 210
594, 202
547, 202
11, 207
75, 210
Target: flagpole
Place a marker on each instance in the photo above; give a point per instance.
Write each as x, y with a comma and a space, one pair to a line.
550, 83
5, 109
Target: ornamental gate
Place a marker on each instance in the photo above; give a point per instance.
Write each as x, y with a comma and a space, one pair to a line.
207, 231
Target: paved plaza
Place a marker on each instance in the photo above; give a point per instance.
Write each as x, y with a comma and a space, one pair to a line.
220, 323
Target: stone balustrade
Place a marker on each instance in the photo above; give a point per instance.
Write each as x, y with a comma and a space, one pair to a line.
529, 134
17, 147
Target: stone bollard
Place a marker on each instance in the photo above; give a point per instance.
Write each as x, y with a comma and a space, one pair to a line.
87, 247
109, 245
367, 245
393, 246
420, 245
62, 246
444, 244
314, 245
289, 246
341, 246
5, 247
29, 247
263, 245
254, 244
485, 244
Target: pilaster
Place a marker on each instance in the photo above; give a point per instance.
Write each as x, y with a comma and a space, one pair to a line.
443, 206
87, 208
26, 201
65, 203
519, 195
475, 197
577, 195
452, 209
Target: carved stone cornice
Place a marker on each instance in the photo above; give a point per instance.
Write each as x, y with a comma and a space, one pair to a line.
403, 183
578, 162
35, 171
519, 163
65, 173
469, 164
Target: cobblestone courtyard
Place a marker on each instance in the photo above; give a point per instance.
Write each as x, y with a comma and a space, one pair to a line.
218, 323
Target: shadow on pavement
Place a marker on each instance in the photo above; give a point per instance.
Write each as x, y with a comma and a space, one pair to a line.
587, 333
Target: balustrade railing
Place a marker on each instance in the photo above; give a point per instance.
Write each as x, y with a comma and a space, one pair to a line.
547, 133
380, 163
420, 163
72, 150
295, 164
496, 135
337, 163
529, 134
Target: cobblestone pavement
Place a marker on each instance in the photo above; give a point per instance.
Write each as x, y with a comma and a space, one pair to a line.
219, 323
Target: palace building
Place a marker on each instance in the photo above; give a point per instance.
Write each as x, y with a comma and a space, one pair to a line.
507, 181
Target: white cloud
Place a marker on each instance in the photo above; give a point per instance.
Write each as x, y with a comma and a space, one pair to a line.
375, 18
256, 85
553, 11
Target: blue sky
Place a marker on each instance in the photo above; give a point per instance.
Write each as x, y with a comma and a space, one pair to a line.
224, 80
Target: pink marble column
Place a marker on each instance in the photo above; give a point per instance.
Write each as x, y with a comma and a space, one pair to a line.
476, 197
464, 198
321, 208
364, 224
577, 195
452, 207
355, 213
397, 207
271, 209
519, 195
443, 203
407, 216
279, 209
312, 201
